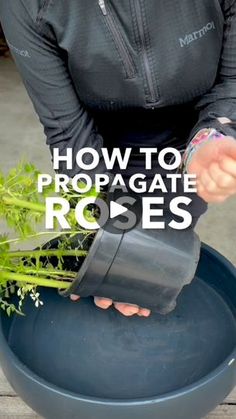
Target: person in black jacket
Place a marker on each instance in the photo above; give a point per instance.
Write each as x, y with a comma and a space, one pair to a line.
133, 73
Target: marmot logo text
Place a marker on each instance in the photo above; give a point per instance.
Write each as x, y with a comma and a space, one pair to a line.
194, 36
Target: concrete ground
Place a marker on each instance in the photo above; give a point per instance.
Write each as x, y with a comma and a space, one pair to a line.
21, 135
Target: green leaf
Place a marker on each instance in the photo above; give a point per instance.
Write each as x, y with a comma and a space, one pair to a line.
9, 310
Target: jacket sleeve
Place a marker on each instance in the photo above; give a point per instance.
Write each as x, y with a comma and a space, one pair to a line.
43, 68
220, 101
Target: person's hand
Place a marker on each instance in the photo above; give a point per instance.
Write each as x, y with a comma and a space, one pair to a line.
214, 163
125, 309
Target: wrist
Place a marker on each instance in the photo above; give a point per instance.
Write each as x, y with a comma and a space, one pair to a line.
200, 138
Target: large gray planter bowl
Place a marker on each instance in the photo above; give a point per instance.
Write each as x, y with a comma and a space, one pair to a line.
72, 360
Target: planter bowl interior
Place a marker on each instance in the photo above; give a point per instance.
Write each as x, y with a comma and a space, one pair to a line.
74, 360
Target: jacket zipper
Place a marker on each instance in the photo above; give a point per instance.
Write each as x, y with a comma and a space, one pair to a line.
141, 31
119, 40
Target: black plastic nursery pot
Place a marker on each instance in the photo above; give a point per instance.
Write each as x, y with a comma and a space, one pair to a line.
145, 267
73, 360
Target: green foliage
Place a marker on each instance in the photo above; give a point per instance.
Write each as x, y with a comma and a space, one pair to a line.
21, 185
23, 209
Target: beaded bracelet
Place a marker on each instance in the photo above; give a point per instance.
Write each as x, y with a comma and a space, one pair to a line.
199, 139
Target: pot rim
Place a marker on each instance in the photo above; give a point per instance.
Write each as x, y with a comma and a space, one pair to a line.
89, 259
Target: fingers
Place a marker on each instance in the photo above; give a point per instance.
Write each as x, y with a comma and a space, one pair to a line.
125, 309
221, 178
144, 312
129, 310
102, 302
207, 183
211, 198
215, 184
228, 165
74, 297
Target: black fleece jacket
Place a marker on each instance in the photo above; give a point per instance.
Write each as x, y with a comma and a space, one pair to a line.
125, 72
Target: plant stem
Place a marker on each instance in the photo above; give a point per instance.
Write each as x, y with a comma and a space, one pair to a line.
45, 233
9, 276
45, 253
24, 204
45, 272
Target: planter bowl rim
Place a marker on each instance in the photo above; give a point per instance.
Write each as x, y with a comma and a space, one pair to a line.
227, 363
230, 360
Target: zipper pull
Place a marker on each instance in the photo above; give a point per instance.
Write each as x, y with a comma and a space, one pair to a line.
102, 6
